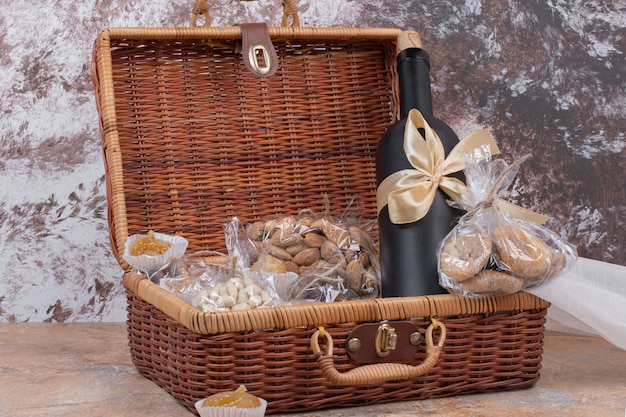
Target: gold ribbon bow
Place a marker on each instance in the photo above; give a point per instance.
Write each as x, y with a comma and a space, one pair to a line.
409, 193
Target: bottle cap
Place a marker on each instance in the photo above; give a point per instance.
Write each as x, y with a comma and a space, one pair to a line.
408, 39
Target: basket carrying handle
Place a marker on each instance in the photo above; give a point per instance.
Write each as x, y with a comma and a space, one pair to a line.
290, 13
380, 372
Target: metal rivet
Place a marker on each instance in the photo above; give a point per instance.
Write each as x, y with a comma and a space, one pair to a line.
416, 338
354, 345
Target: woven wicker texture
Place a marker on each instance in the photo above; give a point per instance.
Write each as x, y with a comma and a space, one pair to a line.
191, 138
483, 352
323, 314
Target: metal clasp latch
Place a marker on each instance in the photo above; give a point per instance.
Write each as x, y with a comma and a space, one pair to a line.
386, 339
260, 59
259, 54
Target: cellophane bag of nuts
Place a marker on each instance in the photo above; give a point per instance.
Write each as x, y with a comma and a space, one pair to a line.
310, 257
234, 289
214, 282
496, 249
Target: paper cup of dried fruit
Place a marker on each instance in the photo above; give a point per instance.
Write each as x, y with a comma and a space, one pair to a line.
153, 251
238, 403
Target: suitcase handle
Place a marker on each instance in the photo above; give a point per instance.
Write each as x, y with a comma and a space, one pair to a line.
380, 372
290, 13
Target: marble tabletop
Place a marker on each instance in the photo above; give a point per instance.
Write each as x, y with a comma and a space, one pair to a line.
84, 369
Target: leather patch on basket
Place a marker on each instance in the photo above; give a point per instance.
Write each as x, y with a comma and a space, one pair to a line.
259, 54
383, 342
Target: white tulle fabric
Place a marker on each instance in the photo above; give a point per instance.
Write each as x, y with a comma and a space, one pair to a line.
590, 299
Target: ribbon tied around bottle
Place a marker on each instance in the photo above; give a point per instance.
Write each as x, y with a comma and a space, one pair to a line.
409, 193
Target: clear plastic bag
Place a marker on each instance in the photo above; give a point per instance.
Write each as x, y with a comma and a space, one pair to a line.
307, 257
213, 282
497, 248
267, 270
197, 271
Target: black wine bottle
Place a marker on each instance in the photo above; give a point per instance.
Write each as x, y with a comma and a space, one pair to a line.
408, 252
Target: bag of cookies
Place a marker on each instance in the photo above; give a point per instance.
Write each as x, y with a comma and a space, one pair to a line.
309, 257
498, 248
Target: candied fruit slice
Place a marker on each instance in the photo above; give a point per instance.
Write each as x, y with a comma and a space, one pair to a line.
249, 401
269, 263
149, 245
238, 398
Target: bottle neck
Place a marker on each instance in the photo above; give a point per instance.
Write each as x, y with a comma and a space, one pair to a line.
414, 82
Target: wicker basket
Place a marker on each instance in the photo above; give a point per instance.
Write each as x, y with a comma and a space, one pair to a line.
192, 138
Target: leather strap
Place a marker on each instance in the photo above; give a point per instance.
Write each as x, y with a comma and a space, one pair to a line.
259, 54
366, 333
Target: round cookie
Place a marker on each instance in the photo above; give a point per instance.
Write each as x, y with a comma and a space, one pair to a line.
464, 255
526, 255
492, 282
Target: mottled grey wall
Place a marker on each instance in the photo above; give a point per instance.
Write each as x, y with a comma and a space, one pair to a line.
545, 77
